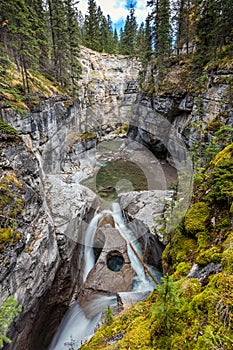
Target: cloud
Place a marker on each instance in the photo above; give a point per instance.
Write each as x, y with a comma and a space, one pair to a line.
118, 9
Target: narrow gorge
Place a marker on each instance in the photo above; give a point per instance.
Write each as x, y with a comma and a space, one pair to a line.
98, 186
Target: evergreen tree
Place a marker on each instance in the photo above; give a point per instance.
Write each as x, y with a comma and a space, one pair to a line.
115, 48
166, 307
74, 68
20, 41
161, 27
129, 34
144, 42
104, 34
91, 27
214, 25
110, 47
57, 12
80, 19
40, 30
207, 27
8, 311
184, 26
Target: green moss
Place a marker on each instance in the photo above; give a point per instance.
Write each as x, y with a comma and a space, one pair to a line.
196, 218
203, 319
11, 192
88, 135
6, 234
182, 269
214, 125
9, 235
8, 129
231, 209
227, 260
210, 255
203, 239
182, 250
226, 153
122, 129
224, 223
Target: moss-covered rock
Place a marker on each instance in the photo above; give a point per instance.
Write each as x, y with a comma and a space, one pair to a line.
182, 249
11, 207
210, 255
8, 129
196, 218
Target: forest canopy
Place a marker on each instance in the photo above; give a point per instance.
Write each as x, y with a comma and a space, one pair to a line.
45, 35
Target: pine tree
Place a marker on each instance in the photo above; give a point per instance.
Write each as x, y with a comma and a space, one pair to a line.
167, 305
20, 41
110, 48
74, 68
80, 19
161, 27
129, 34
184, 26
40, 30
91, 27
115, 48
207, 19
8, 311
104, 34
58, 36
144, 42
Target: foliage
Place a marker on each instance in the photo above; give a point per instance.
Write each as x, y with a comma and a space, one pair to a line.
196, 218
6, 128
11, 206
108, 319
167, 304
129, 35
8, 311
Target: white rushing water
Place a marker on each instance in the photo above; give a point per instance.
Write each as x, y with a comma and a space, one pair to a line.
141, 281
89, 257
75, 326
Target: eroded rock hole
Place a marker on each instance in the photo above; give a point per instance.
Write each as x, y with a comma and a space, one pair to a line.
115, 261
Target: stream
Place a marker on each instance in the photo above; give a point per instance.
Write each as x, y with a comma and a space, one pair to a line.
114, 174
75, 326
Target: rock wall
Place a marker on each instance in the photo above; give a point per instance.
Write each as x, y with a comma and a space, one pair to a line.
195, 115
44, 267
46, 260
41, 270
108, 87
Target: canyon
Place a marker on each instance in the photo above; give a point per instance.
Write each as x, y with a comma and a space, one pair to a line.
60, 148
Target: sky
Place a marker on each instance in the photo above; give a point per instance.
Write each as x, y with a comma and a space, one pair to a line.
118, 10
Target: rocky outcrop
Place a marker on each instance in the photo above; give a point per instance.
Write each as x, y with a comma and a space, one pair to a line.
44, 267
46, 258
29, 261
148, 207
108, 87
195, 115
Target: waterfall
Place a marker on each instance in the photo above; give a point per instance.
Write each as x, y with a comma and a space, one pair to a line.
88, 250
89, 257
141, 281
80, 323
75, 326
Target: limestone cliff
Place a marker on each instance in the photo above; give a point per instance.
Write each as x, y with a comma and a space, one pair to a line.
41, 256
108, 87
40, 172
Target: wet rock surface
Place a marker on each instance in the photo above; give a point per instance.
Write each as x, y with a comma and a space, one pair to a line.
202, 273
149, 207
